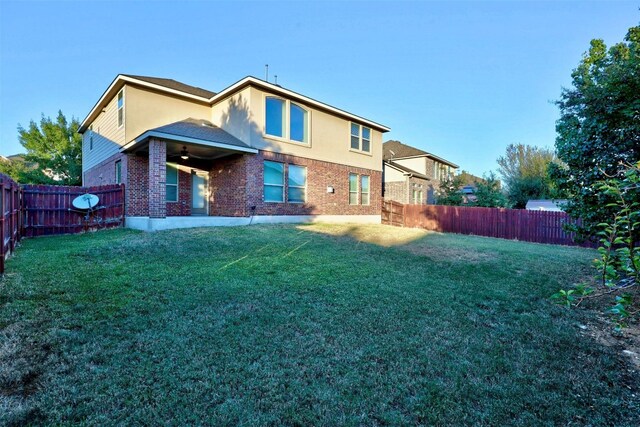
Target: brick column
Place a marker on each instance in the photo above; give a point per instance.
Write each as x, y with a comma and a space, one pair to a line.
157, 178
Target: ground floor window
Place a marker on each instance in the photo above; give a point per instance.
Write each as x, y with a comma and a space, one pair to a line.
119, 172
364, 189
353, 189
359, 185
297, 181
172, 182
273, 181
417, 197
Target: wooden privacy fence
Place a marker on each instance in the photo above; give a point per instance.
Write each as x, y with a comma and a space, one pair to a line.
48, 209
10, 218
519, 224
44, 210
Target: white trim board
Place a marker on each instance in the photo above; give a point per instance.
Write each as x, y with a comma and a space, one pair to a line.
172, 222
172, 137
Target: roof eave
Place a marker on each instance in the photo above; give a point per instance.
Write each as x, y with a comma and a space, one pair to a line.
253, 81
121, 80
118, 83
185, 139
440, 159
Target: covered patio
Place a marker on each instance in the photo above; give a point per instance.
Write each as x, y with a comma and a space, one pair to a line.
175, 171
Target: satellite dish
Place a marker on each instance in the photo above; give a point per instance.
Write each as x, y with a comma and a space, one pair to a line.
85, 201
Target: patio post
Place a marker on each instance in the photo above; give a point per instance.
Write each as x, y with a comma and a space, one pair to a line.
157, 178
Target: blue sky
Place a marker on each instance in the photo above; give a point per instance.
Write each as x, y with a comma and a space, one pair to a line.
459, 79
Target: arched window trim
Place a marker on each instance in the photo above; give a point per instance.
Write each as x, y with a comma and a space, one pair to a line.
286, 133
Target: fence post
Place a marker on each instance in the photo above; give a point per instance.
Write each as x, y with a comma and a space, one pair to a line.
404, 215
2, 210
124, 206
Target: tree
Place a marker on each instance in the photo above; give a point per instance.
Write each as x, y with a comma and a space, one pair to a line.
619, 262
599, 128
449, 192
489, 193
14, 168
524, 170
468, 178
56, 147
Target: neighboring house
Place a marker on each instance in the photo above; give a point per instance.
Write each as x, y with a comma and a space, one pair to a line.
546, 205
254, 152
31, 165
411, 175
469, 194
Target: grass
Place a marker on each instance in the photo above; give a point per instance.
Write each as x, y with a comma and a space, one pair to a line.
301, 325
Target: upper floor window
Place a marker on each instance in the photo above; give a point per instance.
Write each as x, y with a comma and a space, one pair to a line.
441, 171
298, 123
275, 117
285, 119
91, 137
172, 182
360, 138
121, 108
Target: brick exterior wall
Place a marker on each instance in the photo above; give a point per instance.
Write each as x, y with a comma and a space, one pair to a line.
183, 206
228, 186
105, 172
396, 191
402, 191
320, 175
236, 184
137, 186
157, 178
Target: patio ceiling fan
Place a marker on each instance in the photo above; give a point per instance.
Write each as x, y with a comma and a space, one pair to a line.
184, 154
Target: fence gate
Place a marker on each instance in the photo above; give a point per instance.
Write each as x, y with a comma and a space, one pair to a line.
10, 203
392, 213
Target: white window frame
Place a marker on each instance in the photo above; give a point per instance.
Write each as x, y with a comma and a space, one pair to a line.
286, 131
368, 193
357, 189
360, 138
177, 184
264, 184
417, 200
119, 108
91, 138
306, 179
306, 124
118, 171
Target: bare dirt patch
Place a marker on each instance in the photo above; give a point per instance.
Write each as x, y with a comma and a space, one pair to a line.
626, 342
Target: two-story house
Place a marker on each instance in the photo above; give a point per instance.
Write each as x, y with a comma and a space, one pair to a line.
413, 176
253, 152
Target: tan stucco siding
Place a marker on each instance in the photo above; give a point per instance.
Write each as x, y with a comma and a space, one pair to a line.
234, 115
243, 115
146, 110
392, 175
108, 137
418, 164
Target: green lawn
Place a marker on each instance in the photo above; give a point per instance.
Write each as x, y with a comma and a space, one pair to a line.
301, 325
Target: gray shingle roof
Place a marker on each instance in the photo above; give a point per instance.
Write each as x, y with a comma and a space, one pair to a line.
173, 84
200, 129
400, 150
